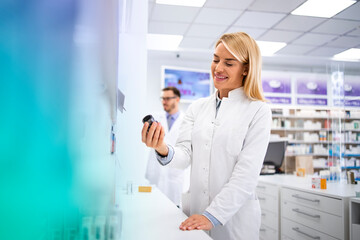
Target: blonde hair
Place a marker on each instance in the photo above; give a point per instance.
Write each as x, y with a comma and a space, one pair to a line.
245, 49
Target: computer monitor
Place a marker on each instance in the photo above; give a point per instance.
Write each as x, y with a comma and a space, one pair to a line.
275, 155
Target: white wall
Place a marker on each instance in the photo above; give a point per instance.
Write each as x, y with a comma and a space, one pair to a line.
132, 82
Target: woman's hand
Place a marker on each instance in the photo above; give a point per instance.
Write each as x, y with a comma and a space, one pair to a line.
197, 222
155, 137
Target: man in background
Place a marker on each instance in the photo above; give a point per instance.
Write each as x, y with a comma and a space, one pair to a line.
172, 182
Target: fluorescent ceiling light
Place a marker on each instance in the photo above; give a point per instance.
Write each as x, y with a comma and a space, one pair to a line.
163, 42
187, 3
350, 54
322, 8
269, 48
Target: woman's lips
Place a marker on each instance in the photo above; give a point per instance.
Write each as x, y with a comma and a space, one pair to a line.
220, 78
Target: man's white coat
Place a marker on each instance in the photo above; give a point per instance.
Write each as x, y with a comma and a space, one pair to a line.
171, 181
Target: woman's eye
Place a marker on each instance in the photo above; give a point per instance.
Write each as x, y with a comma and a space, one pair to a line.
228, 64
215, 61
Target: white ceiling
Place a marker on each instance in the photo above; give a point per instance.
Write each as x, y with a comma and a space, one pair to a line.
310, 40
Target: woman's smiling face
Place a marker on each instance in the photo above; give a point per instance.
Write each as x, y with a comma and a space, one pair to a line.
227, 71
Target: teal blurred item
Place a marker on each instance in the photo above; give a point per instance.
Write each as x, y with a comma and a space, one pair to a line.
35, 162
49, 180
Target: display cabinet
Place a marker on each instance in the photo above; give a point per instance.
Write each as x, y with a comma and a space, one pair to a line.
319, 138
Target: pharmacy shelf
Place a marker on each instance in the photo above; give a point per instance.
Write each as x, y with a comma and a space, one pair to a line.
300, 129
333, 131
319, 142
321, 167
299, 117
306, 154
351, 167
309, 142
344, 155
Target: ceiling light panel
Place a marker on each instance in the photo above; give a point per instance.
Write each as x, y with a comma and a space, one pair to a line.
322, 8
186, 3
198, 43
228, 4
163, 42
350, 54
269, 48
351, 13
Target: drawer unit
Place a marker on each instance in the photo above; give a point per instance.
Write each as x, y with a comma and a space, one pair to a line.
315, 219
300, 212
296, 231
315, 201
267, 189
269, 219
268, 196
267, 233
268, 202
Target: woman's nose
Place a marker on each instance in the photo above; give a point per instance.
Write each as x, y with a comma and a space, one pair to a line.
219, 68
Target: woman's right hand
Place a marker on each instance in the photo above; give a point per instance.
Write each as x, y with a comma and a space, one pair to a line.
155, 137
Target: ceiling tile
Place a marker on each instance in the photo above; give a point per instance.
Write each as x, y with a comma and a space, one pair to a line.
200, 43
356, 32
280, 36
280, 6
351, 13
347, 42
259, 19
217, 16
294, 50
202, 30
299, 23
326, 51
228, 4
170, 13
314, 39
336, 26
253, 32
167, 27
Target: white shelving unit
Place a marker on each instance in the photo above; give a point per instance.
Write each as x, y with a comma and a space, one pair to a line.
330, 136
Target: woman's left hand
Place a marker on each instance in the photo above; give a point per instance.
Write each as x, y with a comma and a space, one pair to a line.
196, 222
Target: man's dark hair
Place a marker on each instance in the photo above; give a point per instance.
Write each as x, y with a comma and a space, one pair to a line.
174, 89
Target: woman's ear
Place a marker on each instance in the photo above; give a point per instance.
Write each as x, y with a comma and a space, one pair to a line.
246, 70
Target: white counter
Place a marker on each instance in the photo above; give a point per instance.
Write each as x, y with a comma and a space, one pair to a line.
152, 216
342, 190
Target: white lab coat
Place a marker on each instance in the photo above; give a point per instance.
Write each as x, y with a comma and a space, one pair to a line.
226, 155
171, 181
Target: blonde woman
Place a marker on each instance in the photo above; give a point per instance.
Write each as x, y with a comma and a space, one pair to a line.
224, 137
